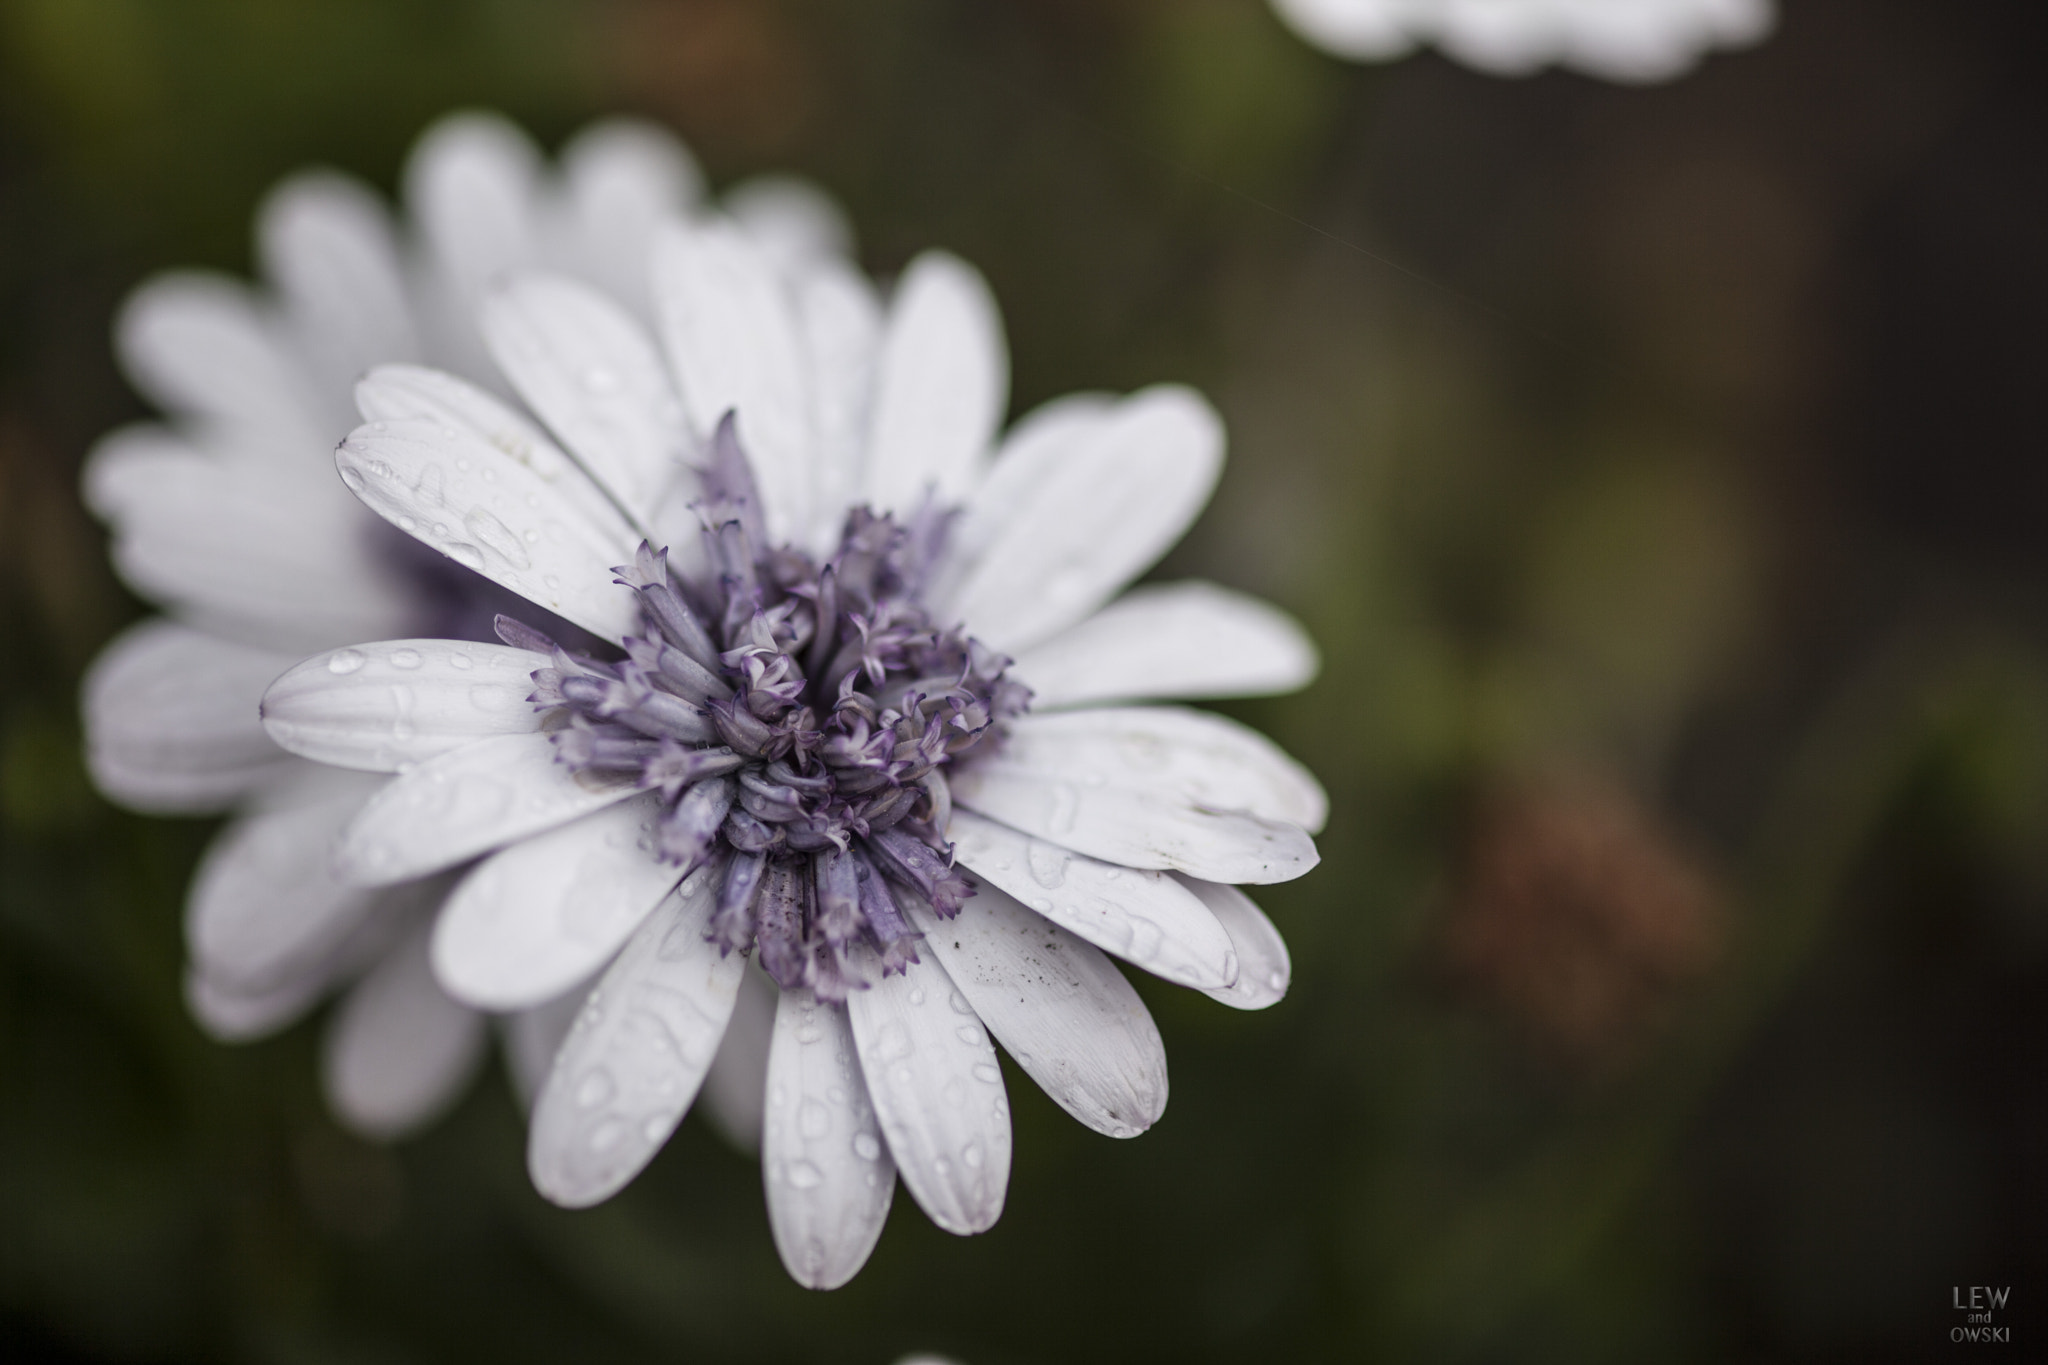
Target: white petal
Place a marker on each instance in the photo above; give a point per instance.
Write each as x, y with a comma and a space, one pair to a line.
384, 707
1146, 918
472, 186
327, 243
468, 801
621, 179
631, 1065
171, 723
583, 364
265, 909
247, 551
1202, 758
401, 393
791, 219
533, 1036
736, 1090
1154, 786
398, 1052
931, 1072
201, 347
731, 333
1264, 969
1058, 1006
230, 1015
842, 325
1170, 640
828, 1175
536, 918
500, 516
940, 387
1033, 452
1101, 517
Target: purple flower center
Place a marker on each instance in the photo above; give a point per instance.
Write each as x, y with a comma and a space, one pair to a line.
796, 720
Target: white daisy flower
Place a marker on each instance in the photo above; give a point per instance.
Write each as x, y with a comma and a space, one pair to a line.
229, 515
1636, 41
864, 722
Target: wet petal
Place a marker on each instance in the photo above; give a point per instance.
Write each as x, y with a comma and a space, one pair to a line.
171, 722
265, 908
386, 706
941, 385
399, 1052
201, 347
1107, 511
932, 1075
472, 184
1146, 918
1203, 758
1058, 1006
1153, 787
327, 244
584, 365
241, 549
1170, 640
636, 1056
736, 1090
841, 322
532, 1037
792, 220
731, 334
536, 918
1264, 969
501, 514
621, 180
229, 1014
828, 1175
468, 801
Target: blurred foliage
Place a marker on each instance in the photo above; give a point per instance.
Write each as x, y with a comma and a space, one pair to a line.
1565, 415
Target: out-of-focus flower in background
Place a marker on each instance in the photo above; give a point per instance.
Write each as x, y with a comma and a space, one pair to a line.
1635, 41
1579, 919
229, 515
811, 704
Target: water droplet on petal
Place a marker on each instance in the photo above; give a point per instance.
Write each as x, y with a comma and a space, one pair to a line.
405, 658
594, 1089
813, 1120
804, 1176
865, 1147
345, 661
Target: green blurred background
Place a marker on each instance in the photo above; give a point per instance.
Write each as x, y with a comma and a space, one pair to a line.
1661, 471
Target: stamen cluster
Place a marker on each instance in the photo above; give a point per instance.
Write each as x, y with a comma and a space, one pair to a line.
796, 721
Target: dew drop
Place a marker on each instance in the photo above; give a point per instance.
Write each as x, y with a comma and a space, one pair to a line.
655, 1129
987, 1073
1042, 904
813, 1120
866, 1148
460, 660
804, 1176
968, 1034
407, 524
607, 1135
352, 480
917, 995
405, 658
467, 555
809, 1033
345, 661
1048, 863
1277, 980
971, 1154
594, 1089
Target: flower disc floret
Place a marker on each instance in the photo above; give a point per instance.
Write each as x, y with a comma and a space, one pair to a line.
797, 720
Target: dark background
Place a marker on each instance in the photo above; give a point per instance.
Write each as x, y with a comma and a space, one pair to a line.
1661, 471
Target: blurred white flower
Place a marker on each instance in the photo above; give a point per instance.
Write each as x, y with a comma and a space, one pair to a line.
1636, 41
806, 696
230, 516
